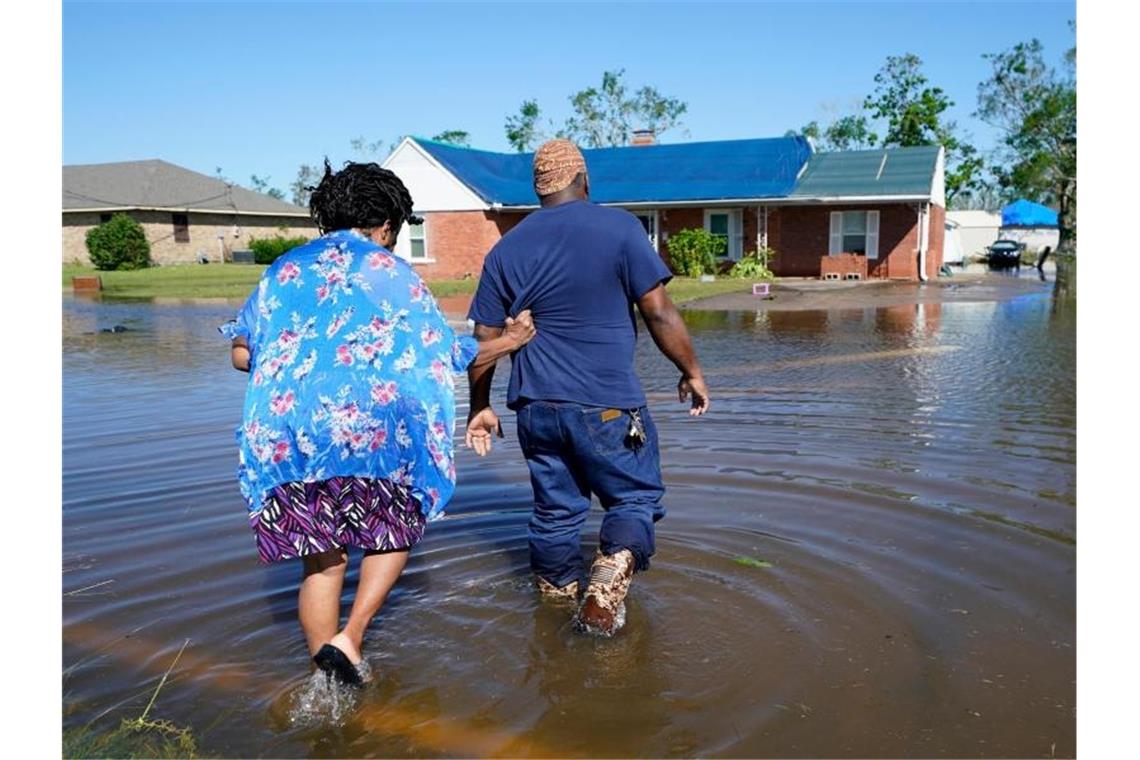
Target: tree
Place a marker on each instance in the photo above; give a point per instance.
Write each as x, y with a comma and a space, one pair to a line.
606, 117
454, 137
364, 148
261, 185
851, 132
302, 187
810, 130
522, 129
601, 117
1035, 107
913, 112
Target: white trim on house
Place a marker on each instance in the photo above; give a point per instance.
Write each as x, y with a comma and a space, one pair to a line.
432, 186
733, 202
938, 184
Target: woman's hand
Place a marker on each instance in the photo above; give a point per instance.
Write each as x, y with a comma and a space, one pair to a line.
481, 429
521, 329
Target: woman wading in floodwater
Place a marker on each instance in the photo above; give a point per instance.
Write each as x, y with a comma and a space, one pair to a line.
346, 432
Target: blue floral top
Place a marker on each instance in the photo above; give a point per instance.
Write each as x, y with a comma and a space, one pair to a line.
352, 373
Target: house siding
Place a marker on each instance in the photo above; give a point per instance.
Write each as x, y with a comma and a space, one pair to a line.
458, 241
799, 234
204, 229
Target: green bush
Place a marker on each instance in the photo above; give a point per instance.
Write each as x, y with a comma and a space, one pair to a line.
118, 243
266, 250
754, 266
694, 252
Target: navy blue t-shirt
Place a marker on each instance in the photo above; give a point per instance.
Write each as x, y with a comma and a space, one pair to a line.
579, 268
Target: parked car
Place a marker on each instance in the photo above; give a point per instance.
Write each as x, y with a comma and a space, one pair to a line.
1003, 254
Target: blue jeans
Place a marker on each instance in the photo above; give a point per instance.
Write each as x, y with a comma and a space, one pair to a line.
572, 452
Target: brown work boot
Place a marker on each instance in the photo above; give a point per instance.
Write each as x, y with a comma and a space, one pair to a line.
569, 592
603, 607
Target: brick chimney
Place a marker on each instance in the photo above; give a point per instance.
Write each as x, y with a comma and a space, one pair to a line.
643, 137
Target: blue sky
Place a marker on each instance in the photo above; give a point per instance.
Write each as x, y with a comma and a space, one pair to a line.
263, 87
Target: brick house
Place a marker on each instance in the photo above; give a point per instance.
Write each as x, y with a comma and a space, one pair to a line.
186, 215
879, 213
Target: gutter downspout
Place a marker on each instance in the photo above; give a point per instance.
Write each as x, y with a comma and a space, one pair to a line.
922, 212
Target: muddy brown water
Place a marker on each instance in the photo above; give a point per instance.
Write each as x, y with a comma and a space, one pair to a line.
870, 550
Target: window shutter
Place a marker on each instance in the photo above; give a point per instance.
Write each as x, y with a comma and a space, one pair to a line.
835, 246
872, 234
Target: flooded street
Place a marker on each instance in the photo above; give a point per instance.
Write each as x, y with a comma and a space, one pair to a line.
870, 550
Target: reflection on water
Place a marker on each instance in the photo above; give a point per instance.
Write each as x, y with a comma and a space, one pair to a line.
870, 551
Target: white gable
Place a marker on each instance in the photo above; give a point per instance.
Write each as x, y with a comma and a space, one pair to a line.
433, 187
938, 186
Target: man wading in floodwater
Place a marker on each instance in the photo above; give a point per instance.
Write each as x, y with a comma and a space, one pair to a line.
582, 421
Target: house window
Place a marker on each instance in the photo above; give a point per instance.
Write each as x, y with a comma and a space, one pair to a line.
726, 224
181, 228
854, 232
417, 241
104, 218
648, 220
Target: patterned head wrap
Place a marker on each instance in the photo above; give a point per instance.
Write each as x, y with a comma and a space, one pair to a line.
556, 164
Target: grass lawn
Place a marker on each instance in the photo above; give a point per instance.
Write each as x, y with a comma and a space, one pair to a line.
682, 289
235, 281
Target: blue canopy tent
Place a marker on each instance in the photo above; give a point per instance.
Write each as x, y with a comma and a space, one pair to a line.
1025, 213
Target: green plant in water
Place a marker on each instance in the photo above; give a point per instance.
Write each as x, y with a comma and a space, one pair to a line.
135, 737
751, 562
694, 252
754, 266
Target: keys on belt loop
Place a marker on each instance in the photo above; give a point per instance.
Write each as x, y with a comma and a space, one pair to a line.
636, 433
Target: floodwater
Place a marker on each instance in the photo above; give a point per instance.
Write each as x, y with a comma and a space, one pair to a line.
870, 551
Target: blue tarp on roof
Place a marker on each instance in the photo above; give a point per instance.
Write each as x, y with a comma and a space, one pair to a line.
726, 169
1025, 213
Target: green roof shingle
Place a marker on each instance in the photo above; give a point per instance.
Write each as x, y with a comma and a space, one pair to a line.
859, 173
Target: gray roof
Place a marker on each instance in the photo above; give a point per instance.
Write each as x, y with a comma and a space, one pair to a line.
860, 173
161, 185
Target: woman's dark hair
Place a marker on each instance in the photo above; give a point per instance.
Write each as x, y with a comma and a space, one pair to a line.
363, 196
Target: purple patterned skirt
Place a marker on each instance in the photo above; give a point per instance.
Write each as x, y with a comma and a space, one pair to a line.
297, 519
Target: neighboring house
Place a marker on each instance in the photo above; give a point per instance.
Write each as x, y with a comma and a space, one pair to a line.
977, 230
885, 208
1031, 224
952, 252
187, 216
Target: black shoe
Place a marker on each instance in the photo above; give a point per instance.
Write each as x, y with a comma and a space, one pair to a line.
337, 665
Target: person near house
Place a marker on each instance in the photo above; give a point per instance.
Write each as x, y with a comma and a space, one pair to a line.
346, 436
583, 425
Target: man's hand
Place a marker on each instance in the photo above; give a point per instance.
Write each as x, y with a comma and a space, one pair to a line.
521, 329
694, 386
481, 428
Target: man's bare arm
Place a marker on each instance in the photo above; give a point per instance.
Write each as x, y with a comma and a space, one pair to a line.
672, 338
